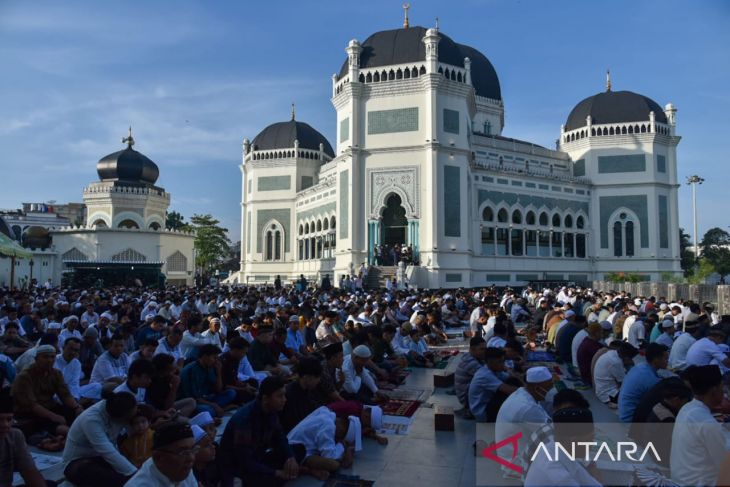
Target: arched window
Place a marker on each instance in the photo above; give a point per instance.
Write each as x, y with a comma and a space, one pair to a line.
128, 223
273, 240
269, 247
543, 219
488, 240
376, 77
617, 240
369, 78
568, 221
325, 224
319, 225
154, 226
423, 70
629, 229
556, 220
301, 229
399, 74
580, 223
488, 214
530, 218
277, 245
361, 78
332, 223
99, 223
517, 238
502, 216
517, 217
306, 228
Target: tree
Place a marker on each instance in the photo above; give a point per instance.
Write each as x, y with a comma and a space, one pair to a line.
715, 247
211, 241
703, 270
175, 221
687, 256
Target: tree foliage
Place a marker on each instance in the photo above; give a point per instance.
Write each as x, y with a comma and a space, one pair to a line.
175, 221
687, 256
211, 241
715, 247
700, 273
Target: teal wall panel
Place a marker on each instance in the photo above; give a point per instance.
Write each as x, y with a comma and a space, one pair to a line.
274, 183
636, 203
661, 163
283, 216
579, 168
344, 216
248, 232
453, 277
344, 129
527, 277
623, 163
451, 121
390, 121
498, 278
307, 182
452, 201
663, 222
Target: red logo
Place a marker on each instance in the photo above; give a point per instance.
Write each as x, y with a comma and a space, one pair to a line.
512, 440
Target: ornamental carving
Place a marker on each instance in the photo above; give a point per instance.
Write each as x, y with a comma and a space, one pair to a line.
384, 182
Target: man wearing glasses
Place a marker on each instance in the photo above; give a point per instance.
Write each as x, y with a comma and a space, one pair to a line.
173, 456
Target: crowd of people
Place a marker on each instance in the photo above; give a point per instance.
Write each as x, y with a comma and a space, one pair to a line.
388, 255
131, 384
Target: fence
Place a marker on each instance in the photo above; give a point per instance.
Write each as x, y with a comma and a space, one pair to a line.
719, 295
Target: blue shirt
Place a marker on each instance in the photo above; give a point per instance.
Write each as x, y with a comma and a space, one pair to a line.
640, 379
482, 389
294, 340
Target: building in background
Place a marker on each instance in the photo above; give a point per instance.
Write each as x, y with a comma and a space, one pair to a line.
420, 161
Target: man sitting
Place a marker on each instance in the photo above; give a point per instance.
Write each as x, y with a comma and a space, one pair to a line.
11, 343
610, 371
14, 454
202, 380
170, 345
231, 364
162, 391
323, 435
91, 455
640, 379
468, 366
254, 447
111, 367
300, 397
69, 365
359, 384
173, 452
487, 382
261, 356
34, 390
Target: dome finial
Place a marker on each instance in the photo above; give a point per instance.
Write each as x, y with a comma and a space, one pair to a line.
293, 112
406, 6
129, 140
608, 80
437, 23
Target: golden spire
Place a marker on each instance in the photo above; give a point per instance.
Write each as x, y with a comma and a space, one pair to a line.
129, 140
608, 80
293, 112
406, 6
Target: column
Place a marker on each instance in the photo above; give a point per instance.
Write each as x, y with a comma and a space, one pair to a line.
371, 240
413, 225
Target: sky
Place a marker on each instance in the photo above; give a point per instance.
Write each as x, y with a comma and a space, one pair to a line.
194, 78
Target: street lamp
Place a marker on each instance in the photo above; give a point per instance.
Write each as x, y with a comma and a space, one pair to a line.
30, 282
694, 181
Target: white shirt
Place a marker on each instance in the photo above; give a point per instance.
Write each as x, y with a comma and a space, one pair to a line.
165, 347
139, 395
665, 340
608, 374
703, 351
678, 354
577, 340
400, 343
149, 475
107, 367
190, 341
561, 473
89, 318
324, 330
246, 372
94, 434
354, 380
316, 433
698, 446
636, 333
214, 338
65, 334
519, 413
72, 374
627, 325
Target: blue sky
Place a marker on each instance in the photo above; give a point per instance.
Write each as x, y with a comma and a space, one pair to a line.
195, 78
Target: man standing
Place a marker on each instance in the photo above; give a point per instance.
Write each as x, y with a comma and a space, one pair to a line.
91, 455
254, 446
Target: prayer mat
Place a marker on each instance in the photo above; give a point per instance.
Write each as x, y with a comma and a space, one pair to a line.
448, 353
540, 356
400, 407
409, 394
340, 480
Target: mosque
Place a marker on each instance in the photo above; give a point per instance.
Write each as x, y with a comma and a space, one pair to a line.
420, 160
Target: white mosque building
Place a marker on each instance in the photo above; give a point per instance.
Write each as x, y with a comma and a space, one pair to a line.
420, 160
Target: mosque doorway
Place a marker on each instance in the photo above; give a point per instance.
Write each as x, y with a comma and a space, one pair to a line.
394, 222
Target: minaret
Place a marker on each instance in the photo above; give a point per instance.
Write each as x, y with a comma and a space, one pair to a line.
406, 6
608, 80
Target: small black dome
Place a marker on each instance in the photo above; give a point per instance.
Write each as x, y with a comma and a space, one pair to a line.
402, 46
614, 107
128, 166
281, 135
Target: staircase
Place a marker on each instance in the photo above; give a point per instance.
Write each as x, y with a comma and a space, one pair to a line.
377, 275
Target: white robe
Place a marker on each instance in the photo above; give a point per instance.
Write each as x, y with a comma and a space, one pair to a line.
316, 433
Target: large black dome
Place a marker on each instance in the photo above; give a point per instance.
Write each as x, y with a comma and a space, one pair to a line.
127, 166
281, 135
614, 107
402, 46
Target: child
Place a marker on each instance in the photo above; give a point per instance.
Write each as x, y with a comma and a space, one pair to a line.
418, 350
137, 446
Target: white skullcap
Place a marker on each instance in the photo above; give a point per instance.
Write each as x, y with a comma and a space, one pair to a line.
45, 349
362, 351
637, 302
354, 433
293, 318
663, 306
592, 318
149, 317
202, 419
535, 375
198, 433
106, 315
376, 416
668, 324
606, 325
54, 325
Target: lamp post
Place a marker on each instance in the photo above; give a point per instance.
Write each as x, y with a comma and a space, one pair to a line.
694, 181
31, 263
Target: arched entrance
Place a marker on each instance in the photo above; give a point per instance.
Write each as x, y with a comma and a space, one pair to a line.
394, 222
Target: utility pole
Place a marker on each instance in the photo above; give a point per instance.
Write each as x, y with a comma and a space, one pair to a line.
694, 181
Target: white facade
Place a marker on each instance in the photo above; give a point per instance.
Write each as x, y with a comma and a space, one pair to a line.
480, 208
